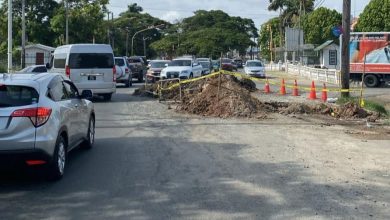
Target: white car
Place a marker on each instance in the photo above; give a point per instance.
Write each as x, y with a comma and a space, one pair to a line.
254, 68
123, 71
183, 68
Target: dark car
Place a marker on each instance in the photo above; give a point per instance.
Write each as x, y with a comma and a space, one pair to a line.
227, 64
239, 63
138, 65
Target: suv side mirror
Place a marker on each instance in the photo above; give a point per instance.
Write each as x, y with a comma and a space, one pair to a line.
86, 94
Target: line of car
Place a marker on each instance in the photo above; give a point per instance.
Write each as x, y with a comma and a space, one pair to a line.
46, 114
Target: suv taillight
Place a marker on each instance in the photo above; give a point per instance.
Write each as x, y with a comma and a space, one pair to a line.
114, 74
67, 71
38, 116
126, 70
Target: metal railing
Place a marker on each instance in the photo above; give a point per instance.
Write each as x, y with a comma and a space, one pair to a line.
323, 75
274, 67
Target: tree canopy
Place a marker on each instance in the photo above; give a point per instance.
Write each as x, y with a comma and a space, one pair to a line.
208, 34
318, 25
375, 17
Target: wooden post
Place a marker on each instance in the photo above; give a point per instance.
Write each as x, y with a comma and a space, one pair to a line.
345, 47
219, 86
180, 90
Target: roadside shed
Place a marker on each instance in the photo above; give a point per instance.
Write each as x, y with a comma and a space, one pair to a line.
38, 54
329, 55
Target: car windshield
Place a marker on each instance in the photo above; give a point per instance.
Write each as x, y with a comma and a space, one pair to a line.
205, 64
254, 64
180, 63
13, 96
119, 62
155, 64
134, 60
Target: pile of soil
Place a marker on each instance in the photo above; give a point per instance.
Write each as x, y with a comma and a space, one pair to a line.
349, 110
234, 99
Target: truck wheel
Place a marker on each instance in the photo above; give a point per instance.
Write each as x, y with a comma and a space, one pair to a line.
371, 81
107, 97
140, 77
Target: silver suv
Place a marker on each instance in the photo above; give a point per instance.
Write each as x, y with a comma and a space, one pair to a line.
42, 118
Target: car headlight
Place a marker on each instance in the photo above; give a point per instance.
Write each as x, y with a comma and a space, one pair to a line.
163, 73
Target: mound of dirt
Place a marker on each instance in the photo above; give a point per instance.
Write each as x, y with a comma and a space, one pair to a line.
234, 100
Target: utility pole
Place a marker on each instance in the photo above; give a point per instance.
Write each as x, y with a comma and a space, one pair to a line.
9, 51
345, 59
23, 34
127, 41
144, 39
66, 22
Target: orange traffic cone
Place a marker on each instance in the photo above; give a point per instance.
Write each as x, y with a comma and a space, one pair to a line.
266, 87
283, 88
295, 89
324, 96
312, 94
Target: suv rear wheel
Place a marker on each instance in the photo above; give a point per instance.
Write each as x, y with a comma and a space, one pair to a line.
140, 76
129, 82
88, 143
57, 166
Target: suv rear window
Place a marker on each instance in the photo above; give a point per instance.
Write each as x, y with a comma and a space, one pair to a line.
91, 60
14, 96
119, 62
134, 60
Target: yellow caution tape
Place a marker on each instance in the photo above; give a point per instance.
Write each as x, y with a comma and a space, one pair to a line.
254, 79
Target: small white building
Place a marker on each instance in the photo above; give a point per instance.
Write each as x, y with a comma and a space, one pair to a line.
38, 54
329, 55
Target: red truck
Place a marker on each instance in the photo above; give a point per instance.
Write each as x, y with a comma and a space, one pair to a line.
374, 47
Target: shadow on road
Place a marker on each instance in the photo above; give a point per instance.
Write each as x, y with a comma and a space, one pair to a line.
169, 178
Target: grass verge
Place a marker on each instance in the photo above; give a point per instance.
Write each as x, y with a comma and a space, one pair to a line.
368, 105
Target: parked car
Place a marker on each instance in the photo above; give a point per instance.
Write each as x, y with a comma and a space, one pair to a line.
123, 71
206, 67
42, 118
89, 66
254, 68
154, 69
206, 64
238, 62
34, 69
138, 67
183, 68
227, 64
216, 65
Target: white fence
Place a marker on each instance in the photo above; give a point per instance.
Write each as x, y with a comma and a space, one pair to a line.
274, 67
324, 75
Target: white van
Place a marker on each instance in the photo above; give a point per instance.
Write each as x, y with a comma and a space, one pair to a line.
89, 67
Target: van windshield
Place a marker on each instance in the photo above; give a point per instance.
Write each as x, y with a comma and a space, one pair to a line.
91, 60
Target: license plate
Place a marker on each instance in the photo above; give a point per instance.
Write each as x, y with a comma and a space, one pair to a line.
91, 77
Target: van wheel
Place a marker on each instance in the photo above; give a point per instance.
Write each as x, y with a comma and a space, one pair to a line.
56, 168
371, 81
107, 97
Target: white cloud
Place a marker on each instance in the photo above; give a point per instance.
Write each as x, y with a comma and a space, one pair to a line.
171, 10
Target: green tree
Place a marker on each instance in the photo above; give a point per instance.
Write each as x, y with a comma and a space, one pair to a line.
86, 21
38, 18
375, 17
208, 34
318, 25
264, 40
131, 21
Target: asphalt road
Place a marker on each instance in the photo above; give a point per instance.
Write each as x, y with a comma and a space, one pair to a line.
151, 163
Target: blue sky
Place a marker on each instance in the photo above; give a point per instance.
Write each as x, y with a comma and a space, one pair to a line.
171, 10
